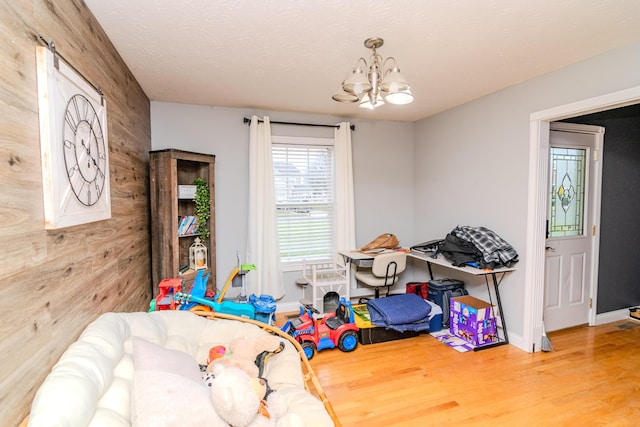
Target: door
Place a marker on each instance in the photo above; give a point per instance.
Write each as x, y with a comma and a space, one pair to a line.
573, 214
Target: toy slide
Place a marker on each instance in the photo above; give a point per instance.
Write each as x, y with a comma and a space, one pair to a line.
228, 307
199, 288
233, 274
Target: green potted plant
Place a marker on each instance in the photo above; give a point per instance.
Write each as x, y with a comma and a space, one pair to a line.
202, 200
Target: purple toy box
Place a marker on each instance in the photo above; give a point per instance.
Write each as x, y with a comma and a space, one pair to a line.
472, 320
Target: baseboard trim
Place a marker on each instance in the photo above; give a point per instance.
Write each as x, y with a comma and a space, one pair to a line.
612, 316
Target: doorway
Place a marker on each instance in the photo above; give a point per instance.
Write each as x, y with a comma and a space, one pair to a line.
537, 200
573, 221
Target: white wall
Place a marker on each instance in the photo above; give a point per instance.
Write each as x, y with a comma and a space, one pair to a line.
474, 166
383, 171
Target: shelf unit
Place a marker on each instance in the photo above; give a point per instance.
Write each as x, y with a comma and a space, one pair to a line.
169, 251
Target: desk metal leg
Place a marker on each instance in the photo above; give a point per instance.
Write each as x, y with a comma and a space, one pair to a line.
430, 271
496, 286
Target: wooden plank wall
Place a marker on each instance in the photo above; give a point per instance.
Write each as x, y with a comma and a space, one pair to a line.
53, 283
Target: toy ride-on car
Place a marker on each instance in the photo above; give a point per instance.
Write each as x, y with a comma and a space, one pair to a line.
332, 330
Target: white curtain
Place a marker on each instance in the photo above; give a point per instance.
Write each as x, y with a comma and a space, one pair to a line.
345, 234
263, 248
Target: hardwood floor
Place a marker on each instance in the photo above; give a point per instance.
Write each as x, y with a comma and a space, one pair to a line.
592, 378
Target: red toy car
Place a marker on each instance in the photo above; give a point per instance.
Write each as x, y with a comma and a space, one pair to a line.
332, 330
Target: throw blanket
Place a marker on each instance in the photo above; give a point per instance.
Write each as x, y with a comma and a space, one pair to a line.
405, 312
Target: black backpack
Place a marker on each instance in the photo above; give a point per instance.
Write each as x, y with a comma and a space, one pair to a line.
446, 303
460, 252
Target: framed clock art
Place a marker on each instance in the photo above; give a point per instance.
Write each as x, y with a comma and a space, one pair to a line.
73, 143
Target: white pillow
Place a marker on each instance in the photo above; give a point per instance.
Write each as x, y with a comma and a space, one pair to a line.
167, 389
148, 356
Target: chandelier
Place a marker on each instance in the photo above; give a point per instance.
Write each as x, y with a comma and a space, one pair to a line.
381, 83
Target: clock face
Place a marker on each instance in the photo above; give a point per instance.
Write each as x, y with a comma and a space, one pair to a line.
84, 150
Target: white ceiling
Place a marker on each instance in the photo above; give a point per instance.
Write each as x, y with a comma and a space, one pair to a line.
291, 55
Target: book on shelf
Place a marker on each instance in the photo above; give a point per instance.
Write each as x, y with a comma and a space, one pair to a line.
185, 270
186, 225
181, 223
191, 226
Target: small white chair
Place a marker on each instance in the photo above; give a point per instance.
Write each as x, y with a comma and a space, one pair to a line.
326, 279
384, 271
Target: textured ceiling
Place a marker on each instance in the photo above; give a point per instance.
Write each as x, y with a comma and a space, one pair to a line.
291, 55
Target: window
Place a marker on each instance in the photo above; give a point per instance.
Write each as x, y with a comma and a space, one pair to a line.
303, 176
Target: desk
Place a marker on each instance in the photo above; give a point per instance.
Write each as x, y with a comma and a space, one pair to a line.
359, 259
443, 262
353, 259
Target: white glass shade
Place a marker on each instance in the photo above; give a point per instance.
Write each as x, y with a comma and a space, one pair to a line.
345, 97
356, 82
394, 81
400, 98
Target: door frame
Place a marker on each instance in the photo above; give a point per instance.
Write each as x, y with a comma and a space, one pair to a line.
593, 200
539, 127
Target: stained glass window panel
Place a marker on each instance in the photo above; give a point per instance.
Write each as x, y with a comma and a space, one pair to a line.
566, 191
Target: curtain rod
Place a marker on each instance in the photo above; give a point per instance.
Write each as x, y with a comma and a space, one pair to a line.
247, 120
56, 54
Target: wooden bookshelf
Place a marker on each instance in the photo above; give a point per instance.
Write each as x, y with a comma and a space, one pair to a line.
170, 251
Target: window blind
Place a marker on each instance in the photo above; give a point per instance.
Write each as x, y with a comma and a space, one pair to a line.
303, 176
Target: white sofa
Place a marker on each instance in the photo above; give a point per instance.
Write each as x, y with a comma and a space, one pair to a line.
93, 382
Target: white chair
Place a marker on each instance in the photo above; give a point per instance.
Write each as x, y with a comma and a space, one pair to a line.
327, 280
384, 271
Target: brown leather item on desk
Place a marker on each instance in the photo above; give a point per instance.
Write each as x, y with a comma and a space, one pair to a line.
383, 241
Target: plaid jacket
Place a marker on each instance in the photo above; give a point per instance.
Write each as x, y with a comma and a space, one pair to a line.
494, 249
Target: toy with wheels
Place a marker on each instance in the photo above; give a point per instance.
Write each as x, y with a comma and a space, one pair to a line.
164, 301
332, 330
228, 307
197, 298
